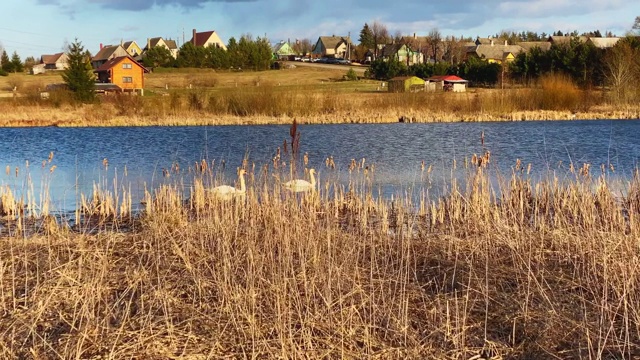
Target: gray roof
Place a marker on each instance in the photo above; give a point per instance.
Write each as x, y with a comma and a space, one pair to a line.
566, 39
604, 42
498, 52
528, 45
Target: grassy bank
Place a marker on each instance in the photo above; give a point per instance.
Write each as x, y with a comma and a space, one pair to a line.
529, 271
311, 95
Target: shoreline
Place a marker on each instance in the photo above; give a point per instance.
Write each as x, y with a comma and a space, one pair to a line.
100, 116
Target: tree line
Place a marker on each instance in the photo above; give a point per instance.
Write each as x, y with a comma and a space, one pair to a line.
587, 65
245, 53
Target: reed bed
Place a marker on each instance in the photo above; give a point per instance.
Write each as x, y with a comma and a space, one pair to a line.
510, 269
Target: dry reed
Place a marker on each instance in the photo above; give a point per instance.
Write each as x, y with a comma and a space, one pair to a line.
525, 270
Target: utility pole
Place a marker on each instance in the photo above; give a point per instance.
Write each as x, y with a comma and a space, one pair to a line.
349, 45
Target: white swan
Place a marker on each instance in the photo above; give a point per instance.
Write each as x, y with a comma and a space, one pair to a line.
226, 192
299, 185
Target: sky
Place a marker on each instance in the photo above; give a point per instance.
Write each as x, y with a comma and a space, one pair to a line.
36, 27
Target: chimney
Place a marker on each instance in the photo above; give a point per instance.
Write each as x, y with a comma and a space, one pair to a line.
101, 46
194, 37
148, 44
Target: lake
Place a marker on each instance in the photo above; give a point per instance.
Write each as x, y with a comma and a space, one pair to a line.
395, 150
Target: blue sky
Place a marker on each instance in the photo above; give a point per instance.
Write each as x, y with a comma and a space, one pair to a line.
35, 27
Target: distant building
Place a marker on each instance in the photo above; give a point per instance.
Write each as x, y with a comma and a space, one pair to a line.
446, 83
405, 84
332, 47
159, 41
132, 48
55, 62
207, 38
107, 53
283, 50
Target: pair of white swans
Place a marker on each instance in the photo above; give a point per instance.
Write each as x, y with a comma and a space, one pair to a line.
226, 192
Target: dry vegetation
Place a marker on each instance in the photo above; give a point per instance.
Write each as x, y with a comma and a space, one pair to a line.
526, 271
312, 95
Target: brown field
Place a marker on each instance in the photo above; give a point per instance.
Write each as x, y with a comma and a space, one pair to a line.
548, 270
306, 93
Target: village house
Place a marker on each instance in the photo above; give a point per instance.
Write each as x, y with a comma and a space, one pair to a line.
132, 48
207, 38
494, 53
55, 62
159, 41
121, 73
107, 53
401, 53
332, 47
283, 50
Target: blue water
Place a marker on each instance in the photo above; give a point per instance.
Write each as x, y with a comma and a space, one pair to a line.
396, 151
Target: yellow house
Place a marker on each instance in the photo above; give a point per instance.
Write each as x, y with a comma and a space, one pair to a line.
124, 72
132, 48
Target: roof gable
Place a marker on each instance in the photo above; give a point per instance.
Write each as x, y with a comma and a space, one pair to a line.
332, 42
116, 61
202, 37
107, 51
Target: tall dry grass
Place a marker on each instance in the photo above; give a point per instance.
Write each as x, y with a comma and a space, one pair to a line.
519, 269
212, 98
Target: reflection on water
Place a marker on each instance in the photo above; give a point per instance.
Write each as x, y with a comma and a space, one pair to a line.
136, 157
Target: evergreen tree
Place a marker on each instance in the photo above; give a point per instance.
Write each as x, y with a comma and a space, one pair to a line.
158, 56
366, 37
79, 75
7, 65
16, 63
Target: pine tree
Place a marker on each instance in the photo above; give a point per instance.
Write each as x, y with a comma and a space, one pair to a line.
366, 37
16, 63
7, 65
79, 75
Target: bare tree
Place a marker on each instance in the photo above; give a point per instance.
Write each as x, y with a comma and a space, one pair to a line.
434, 40
380, 35
302, 46
453, 49
636, 25
622, 70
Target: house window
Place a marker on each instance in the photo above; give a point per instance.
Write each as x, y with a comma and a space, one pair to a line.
127, 79
126, 66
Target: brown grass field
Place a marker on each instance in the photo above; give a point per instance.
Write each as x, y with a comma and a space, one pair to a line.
549, 270
308, 94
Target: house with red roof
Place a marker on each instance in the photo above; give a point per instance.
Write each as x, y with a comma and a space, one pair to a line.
124, 72
446, 83
207, 38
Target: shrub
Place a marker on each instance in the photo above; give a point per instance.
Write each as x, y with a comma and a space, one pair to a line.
351, 75
559, 92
